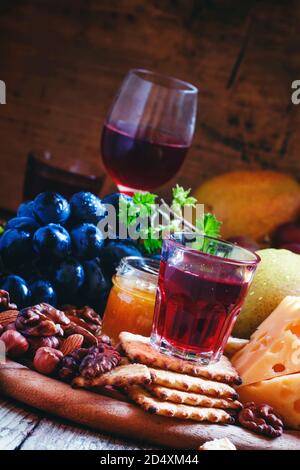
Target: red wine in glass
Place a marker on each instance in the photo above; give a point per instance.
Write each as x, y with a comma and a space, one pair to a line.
148, 131
199, 295
141, 163
197, 308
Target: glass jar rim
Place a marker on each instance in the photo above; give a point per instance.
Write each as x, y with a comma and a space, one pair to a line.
255, 258
164, 80
139, 264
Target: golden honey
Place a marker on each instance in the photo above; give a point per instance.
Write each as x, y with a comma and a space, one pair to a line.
130, 305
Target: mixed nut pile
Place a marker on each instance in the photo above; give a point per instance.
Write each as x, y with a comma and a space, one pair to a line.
63, 343
68, 343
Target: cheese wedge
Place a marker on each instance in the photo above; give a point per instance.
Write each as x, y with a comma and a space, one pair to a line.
274, 349
282, 393
218, 444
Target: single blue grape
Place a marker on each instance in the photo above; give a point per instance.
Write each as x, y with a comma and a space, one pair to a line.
26, 210
27, 224
114, 200
86, 207
18, 289
69, 276
52, 240
51, 207
96, 284
112, 254
87, 241
43, 291
15, 247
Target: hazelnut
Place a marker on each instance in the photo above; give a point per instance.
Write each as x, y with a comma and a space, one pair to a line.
10, 326
15, 343
46, 360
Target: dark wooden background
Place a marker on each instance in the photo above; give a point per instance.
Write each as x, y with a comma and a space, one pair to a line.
63, 61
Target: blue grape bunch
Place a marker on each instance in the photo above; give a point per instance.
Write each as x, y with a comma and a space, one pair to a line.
53, 251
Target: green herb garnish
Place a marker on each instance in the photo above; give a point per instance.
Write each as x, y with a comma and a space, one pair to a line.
181, 198
210, 226
143, 207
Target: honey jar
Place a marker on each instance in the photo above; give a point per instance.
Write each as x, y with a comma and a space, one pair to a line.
130, 304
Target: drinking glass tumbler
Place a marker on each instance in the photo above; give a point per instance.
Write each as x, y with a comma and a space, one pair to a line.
202, 285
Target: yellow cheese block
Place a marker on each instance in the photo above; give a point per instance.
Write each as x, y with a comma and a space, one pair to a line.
282, 393
274, 349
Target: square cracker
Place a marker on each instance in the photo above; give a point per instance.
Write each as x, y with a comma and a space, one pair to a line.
234, 345
194, 399
153, 405
119, 377
186, 383
139, 349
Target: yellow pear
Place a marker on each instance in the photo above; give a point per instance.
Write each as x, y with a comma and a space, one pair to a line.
251, 203
277, 275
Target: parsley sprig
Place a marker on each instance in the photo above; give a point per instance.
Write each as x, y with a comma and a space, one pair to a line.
143, 205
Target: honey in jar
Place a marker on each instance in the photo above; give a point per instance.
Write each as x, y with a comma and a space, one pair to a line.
130, 304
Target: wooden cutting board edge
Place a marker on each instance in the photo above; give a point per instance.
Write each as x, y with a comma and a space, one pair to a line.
107, 414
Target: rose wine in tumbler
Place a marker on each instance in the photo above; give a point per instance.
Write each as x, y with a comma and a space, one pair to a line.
199, 298
149, 130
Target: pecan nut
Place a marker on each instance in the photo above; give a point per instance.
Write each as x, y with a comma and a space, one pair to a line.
100, 359
85, 317
261, 419
5, 303
41, 320
52, 313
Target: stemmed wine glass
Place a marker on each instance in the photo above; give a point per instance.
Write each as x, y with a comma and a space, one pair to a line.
148, 130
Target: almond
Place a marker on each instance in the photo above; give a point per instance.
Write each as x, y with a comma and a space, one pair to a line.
7, 317
71, 343
89, 338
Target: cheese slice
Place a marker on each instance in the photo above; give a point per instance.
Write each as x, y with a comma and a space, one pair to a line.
282, 393
274, 349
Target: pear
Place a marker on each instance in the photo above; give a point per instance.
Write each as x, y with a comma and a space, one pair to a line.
251, 204
277, 275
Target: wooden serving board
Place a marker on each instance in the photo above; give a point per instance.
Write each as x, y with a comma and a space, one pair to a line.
114, 415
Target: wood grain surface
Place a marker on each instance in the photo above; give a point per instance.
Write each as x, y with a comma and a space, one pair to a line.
120, 418
63, 62
22, 428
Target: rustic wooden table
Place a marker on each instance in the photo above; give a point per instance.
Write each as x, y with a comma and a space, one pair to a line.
23, 428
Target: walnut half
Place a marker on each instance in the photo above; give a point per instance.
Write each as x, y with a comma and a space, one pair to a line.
85, 317
90, 362
100, 359
41, 320
261, 419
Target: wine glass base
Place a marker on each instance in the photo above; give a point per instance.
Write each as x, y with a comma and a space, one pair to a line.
129, 191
